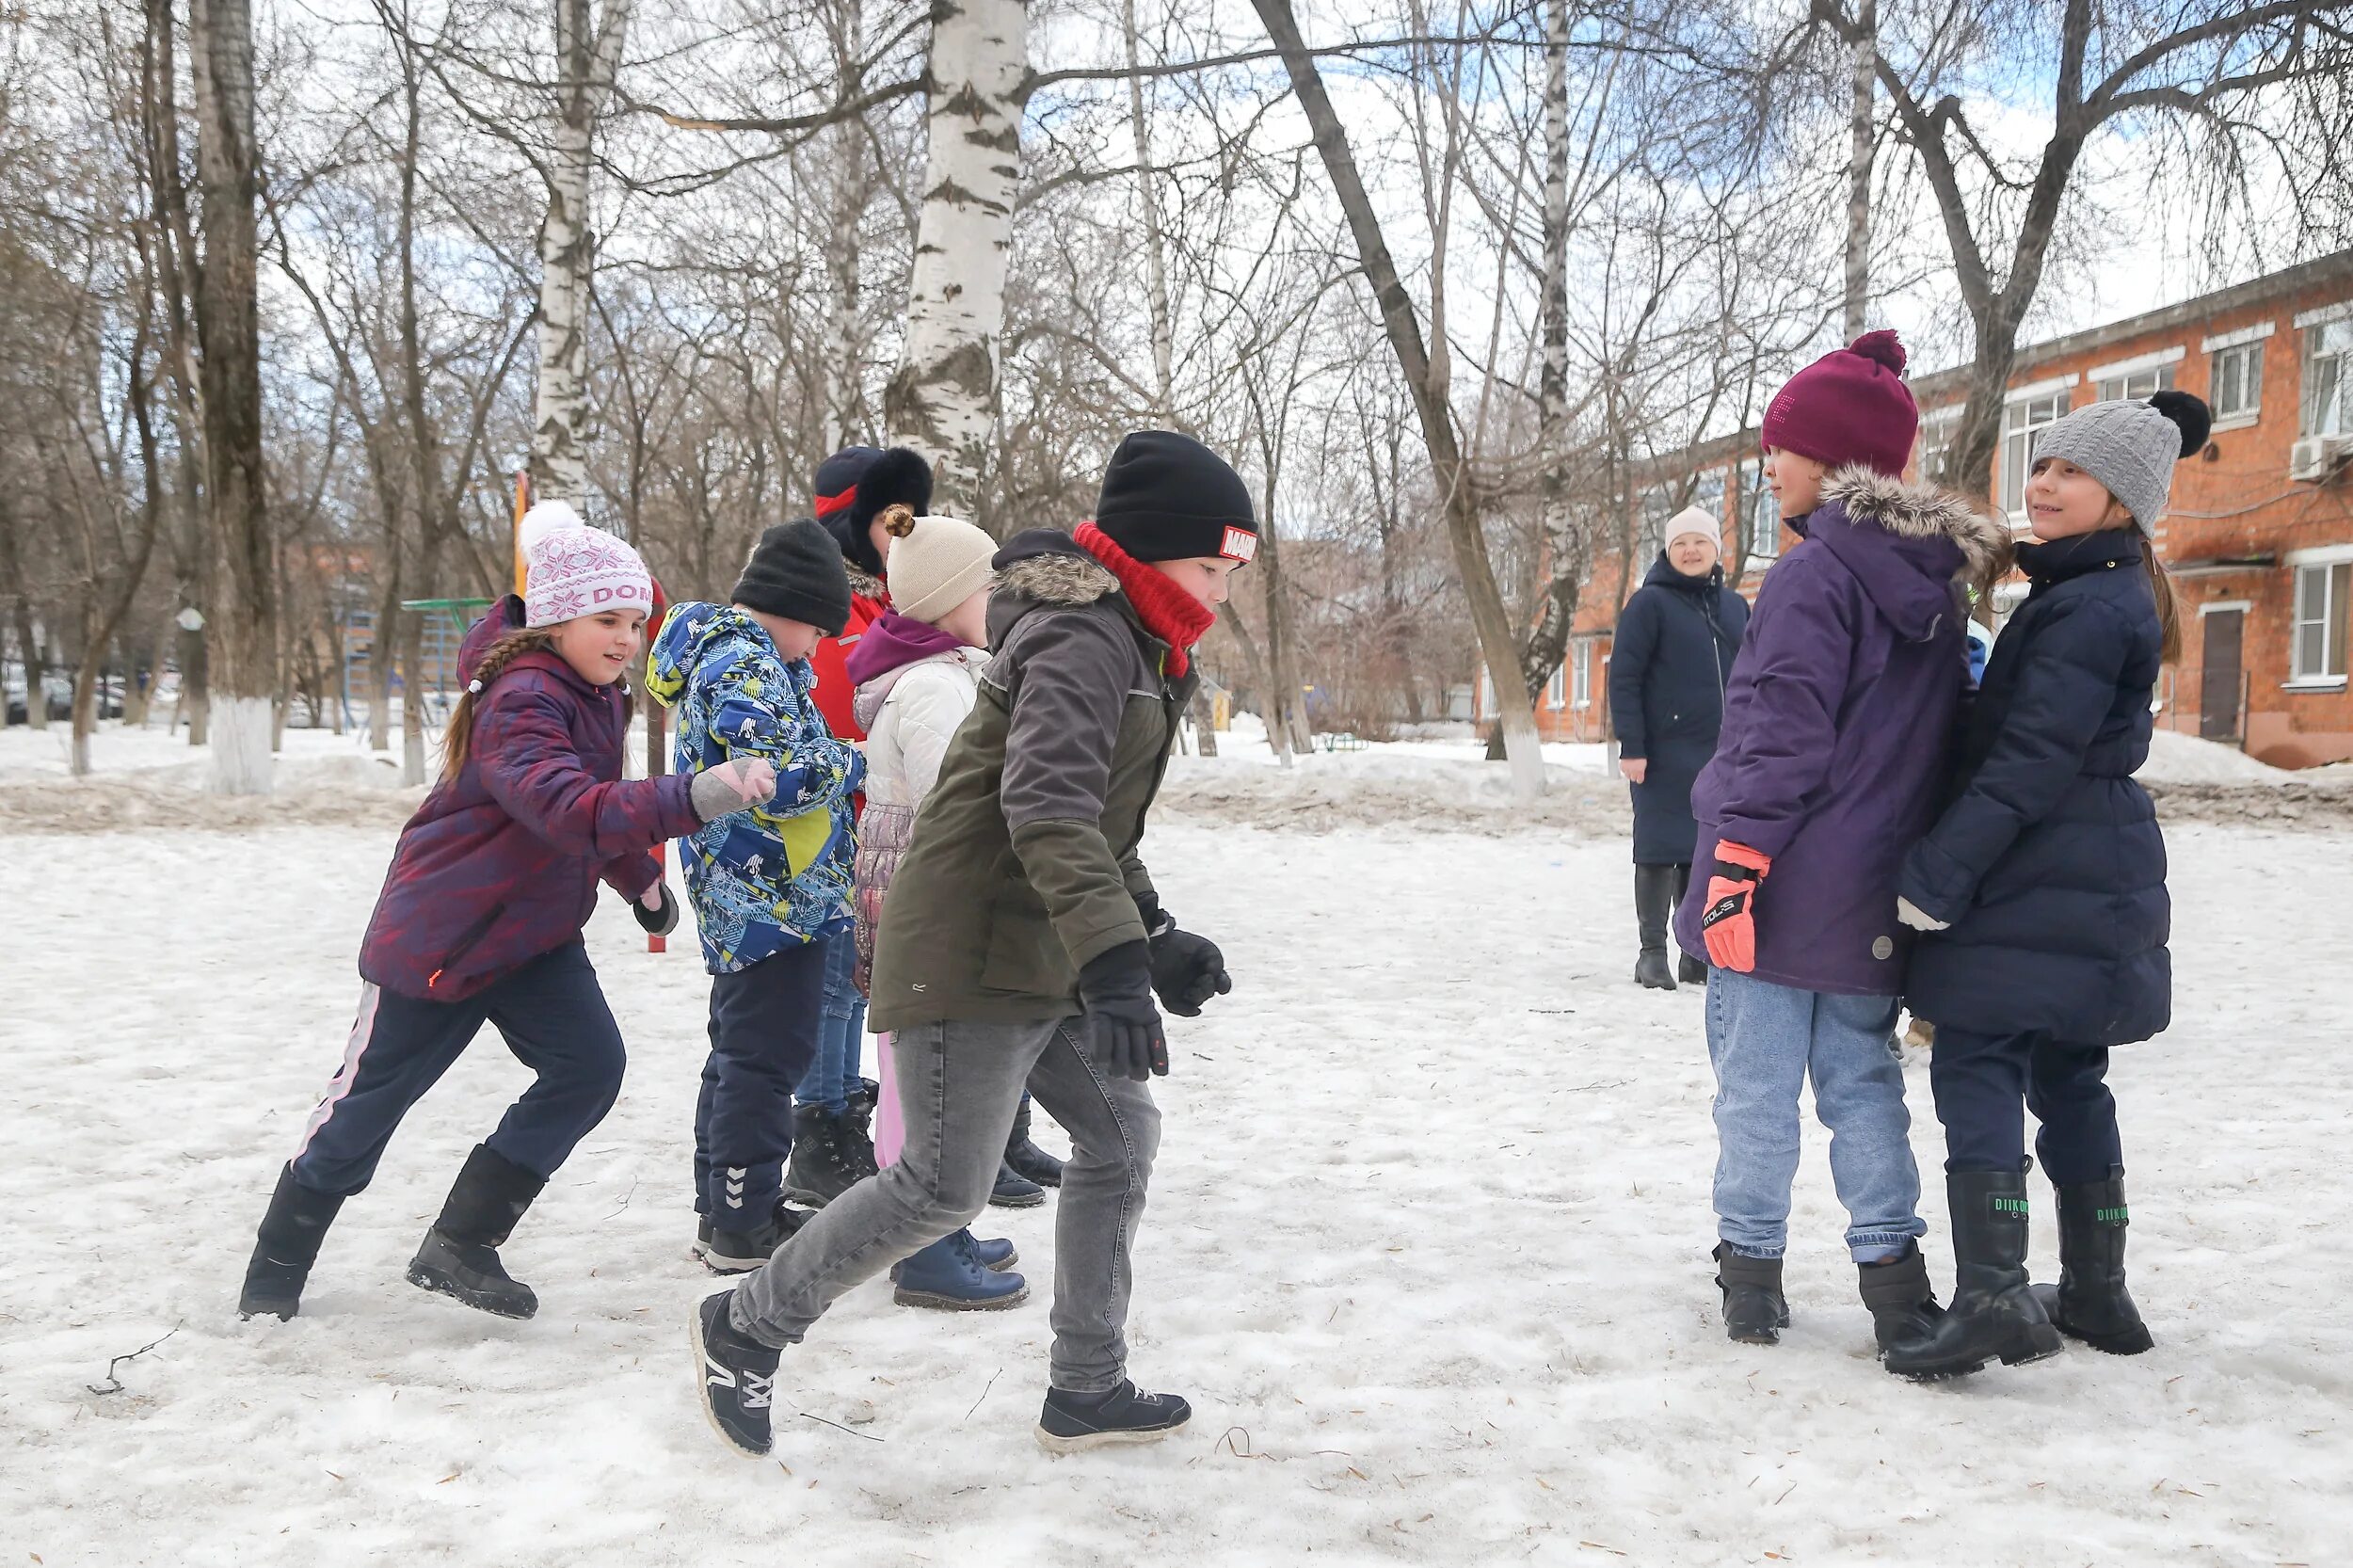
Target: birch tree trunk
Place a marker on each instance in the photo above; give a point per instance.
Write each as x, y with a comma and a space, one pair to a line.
1863, 48
1155, 257
587, 59
844, 396
1497, 645
942, 399
241, 638
1566, 547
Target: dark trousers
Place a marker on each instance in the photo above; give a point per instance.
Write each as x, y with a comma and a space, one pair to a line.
1981, 1080
553, 1018
763, 1032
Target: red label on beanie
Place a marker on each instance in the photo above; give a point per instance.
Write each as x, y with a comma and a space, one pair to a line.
1850, 405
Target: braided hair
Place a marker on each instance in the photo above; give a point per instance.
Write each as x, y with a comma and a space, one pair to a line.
457, 740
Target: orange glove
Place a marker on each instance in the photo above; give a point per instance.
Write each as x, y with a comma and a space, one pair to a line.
1728, 926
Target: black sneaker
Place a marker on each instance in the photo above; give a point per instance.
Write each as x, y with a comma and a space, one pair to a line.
736, 1374
739, 1252
471, 1272
1071, 1423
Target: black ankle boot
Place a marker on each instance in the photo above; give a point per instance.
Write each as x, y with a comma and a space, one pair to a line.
1902, 1302
1993, 1313
1028, 1161
1755, 1311
459, 1256
2090, 1303
1690, 970
286, 1247
1654, 905
822, 1166
858, 1128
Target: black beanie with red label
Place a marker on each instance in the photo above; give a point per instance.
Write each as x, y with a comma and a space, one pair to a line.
1168, 497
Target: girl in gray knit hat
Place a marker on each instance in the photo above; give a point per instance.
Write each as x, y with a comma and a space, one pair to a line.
2042, 894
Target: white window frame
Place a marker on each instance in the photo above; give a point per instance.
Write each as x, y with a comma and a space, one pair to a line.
1581, 673
2326, 560
1936, 435
2251, 382
2028, 437
2120, 387
1758, 544
2338, 420
1557, 688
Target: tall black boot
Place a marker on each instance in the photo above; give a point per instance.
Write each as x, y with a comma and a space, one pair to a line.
857, 1133
459, 1256
1027, 1160
2090, 1303
1654, 905
288, 1245
1993, 1313
1690, 971
1755, 1311
1902, 1302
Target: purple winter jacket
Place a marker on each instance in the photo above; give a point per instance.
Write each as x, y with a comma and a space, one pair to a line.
501, 863
1839, 721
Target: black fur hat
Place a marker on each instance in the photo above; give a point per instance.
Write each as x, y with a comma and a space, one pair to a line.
893, 477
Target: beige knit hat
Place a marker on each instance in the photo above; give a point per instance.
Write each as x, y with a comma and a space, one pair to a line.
935, 564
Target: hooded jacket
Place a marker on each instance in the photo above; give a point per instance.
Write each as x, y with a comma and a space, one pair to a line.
1023, 861
777, 875
2049, 866
915, 684
1668, 664
501, 863
1838, 726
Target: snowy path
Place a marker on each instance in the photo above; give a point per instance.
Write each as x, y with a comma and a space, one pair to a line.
1427, 1249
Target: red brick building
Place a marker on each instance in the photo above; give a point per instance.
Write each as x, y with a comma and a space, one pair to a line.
2259, 537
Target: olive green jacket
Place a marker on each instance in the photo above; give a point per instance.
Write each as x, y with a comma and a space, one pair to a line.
1022, 864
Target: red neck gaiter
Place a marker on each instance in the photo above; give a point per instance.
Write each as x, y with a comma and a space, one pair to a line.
1166, 610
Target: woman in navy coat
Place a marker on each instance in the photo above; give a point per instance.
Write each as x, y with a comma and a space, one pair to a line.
1668, 663
2041, 890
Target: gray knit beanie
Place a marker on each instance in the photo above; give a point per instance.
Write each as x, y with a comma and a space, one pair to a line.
2131, 447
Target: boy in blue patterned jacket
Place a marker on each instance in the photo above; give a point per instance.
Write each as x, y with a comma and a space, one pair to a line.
770, 885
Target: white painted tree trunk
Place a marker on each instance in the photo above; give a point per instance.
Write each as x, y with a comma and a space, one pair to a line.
1865, 63
587, 62
943, 397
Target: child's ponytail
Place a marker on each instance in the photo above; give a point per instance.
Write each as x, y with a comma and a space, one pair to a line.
457, 740
2168, 602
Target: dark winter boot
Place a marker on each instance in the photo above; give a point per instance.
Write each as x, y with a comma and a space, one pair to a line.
285, 1249
824, 1163
1013, 1189
857, 1137
459, 1256
2090, 1303
739, 1252
1028, 1161
736, 1375
1755, 1311
949, 1276
1902, 1302
1071, 1423
1654, 905
1690, 970
1994, 1314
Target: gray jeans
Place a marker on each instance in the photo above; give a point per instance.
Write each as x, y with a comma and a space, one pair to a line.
959, 1085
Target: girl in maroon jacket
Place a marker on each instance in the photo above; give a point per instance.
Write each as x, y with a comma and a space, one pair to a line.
481, 915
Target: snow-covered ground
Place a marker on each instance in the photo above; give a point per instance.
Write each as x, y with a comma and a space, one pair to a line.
1427, 1249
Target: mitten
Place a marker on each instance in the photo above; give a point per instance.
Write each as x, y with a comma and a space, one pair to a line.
659, 918
1729, 923
738, 782
1917, 917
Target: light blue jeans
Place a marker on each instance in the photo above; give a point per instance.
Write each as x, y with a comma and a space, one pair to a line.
833, 1072
1765, 1041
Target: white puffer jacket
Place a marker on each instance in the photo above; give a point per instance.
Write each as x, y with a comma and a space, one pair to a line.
909, 715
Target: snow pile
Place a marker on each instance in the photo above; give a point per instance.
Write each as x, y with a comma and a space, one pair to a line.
153, 778
2176, 758
1427, 1248
1406, 783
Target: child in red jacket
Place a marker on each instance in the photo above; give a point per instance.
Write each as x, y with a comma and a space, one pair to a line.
481, 915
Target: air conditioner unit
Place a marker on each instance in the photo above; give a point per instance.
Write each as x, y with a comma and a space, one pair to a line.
2315, 456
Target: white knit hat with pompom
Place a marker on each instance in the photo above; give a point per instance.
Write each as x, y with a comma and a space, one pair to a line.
571, 569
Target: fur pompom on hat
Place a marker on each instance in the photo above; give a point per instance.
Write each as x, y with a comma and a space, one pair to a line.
1850, 405
2131, 447
857, 485
571, 569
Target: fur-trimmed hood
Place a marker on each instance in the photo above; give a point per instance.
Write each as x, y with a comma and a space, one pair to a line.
864, 585
1916, 548
1043, 567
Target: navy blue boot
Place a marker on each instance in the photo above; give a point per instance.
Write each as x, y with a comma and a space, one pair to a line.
949, 1275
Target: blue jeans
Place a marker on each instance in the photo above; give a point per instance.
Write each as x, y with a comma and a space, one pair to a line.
1765, 1041
833, 1072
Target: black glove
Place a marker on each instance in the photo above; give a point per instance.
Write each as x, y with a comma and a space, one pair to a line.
1122, 1029
1187, 971
663, 918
